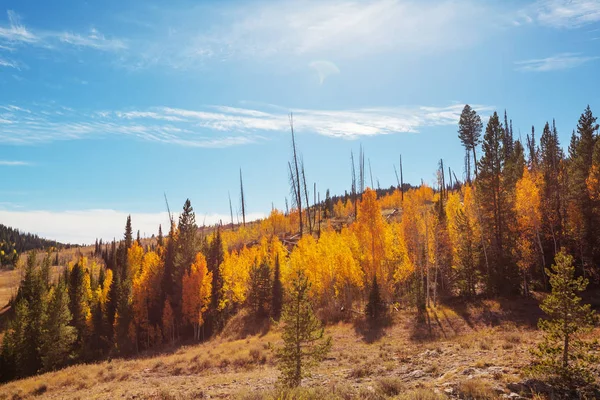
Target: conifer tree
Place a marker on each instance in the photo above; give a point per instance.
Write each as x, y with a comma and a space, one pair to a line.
304, 343
58, 336
259, 292
214, 260
79, 297
563, 354
582, 213
376, 309
186, 248
495, 203
15, 352
277, 292
160, 240
552, 193
469, 133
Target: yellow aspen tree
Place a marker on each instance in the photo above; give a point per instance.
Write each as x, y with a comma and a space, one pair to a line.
135, 254
529, 219
197, 284
370, 232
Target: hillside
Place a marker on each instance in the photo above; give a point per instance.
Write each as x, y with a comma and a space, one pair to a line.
14, 242
477, 350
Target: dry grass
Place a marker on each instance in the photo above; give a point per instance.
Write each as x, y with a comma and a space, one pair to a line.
407, 361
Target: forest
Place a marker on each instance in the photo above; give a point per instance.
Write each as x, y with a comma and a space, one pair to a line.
13, 242
495, 234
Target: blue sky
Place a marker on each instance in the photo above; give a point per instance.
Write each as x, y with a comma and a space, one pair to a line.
106, 105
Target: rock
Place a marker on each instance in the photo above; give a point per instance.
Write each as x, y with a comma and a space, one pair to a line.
417, 373
496, 370
498, 389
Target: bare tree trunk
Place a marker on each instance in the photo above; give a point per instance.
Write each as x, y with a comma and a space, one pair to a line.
401, 179
299, 197
242, 199
230, 210
306, 197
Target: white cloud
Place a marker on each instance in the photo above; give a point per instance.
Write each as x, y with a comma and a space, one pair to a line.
565, 13
7, 163
554, 63
84, 226
9, 64
217, 126
310, 30
15, 34
324, 69
15, 31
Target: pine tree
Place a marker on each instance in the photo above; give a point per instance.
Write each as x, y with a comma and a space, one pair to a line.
214, 260
469, 133
552, 194
376, 309
277, 292
58, 336
495, 202
160, 240
128, 233
259, 292
581, 210
79, 297
15, 352
304, 344
186, 248
562, 354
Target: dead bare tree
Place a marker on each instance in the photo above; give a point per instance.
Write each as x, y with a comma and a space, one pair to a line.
401, 179
230, 209
353, 194
307, 208
242, 199
371, 174
295, 174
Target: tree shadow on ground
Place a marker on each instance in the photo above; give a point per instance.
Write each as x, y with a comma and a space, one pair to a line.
244, 324
457, 315
370, 332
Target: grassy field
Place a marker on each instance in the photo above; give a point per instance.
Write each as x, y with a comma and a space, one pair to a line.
478, 350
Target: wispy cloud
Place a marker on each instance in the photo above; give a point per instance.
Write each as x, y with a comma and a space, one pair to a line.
7, 163
309, 30
554, 63
563, 13
74, 226
216, 126
9, 63
15, 34
324, 69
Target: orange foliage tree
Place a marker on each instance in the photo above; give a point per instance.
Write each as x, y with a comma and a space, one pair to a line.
197, 284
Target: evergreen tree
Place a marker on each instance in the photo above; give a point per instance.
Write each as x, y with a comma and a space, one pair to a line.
128, 233
214, 260
58, 336
160, 240
259, 292
376, 309
469, 133
494, 200
15, 353
79, 297
551, 164
304, 344
582, 213
277, 292
186, 248
563, 354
